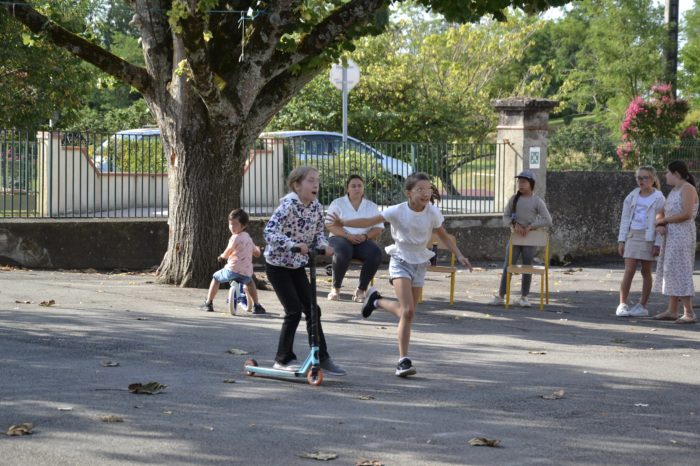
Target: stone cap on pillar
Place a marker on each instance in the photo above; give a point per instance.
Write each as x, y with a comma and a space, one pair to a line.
523, 113
523, 103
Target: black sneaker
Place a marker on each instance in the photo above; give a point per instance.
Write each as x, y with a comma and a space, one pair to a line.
368, 307
405, 368
331, 368
258, 309
208, 307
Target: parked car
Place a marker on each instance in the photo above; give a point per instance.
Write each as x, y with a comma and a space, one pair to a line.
324, 145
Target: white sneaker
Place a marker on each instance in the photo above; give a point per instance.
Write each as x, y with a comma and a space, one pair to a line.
359, 296
623, 310
638, 311
524, 302
333, 296
496, 301
291, 366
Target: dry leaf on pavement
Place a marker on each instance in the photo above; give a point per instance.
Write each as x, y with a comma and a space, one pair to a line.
107, 363
151, 388
554, 395
364, 462
111, 418
485, 442
20, 429
22, 302
48, 303
238, 352
319, 455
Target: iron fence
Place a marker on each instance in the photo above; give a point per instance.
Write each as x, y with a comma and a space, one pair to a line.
87, 175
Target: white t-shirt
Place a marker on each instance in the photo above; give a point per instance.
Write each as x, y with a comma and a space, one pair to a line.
411, 231
344, 209
639, 219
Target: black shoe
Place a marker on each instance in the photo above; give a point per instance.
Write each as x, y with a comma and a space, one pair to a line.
331, 368
209, 307
368, 307
258, 309
405, 368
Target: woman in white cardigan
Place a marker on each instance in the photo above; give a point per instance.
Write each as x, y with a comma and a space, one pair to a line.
638, 241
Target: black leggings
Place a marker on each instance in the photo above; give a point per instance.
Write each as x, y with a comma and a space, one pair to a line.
344, 251
294, 292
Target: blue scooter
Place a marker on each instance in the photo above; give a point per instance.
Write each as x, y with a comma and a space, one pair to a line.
311, 368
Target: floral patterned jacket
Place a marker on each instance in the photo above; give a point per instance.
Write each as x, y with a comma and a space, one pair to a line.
292, 223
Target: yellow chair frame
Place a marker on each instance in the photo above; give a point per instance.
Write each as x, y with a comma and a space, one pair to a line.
538, 238
452, 270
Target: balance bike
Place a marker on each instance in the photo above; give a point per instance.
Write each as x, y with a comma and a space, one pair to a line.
236, 295
310, 368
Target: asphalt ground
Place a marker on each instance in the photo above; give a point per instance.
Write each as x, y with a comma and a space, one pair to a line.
626, 389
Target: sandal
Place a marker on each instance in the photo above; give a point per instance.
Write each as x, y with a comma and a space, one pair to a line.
360, 296
666, 315
685, 320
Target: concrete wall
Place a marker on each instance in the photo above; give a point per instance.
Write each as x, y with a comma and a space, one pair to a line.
585, 207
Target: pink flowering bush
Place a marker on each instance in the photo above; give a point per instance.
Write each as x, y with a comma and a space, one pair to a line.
649, 120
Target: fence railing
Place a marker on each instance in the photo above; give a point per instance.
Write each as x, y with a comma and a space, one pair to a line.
85, 175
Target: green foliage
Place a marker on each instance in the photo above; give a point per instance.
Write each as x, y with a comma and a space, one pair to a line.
125, 154
421, 80
689, 79
581, 146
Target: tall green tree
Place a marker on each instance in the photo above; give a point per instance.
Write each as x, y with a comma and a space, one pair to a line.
215, 74
38, 82
690, 55
422, 80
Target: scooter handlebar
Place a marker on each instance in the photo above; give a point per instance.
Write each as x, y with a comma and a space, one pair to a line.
319, 251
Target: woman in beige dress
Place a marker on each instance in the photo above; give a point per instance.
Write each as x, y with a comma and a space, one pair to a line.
674, 271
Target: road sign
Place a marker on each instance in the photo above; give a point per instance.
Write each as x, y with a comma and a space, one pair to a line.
352, 78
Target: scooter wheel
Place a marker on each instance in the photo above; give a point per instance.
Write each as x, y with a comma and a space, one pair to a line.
314, 379
250, 362
329, 270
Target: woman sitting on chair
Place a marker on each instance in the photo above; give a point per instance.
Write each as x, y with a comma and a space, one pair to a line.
524, 212
354, 243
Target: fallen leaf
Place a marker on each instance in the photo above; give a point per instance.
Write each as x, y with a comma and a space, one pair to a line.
238, 352
366, 397
111, 418
554, 395
65, 408
484, 442
20, 429
641, 405
107, 363
142, 318
319, 455
151, 388
537, 352
229, 381
380, 328
364, 462
48, 303
167, 413
619, 340
22, 302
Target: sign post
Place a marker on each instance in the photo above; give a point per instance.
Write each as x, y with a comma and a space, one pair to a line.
344, 78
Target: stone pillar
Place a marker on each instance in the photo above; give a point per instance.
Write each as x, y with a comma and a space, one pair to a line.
522, 135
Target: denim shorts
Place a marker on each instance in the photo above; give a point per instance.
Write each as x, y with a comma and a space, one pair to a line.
225, 275
399, 268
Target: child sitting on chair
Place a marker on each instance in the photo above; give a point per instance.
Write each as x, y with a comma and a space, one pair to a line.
239, 262
524, 212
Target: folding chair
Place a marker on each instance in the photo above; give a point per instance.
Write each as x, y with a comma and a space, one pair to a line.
452, 270
538, 238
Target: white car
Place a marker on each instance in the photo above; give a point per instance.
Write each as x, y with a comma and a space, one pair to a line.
324, 145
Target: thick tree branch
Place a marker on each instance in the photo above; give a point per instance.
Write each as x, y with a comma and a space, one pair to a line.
111, 64
331, 31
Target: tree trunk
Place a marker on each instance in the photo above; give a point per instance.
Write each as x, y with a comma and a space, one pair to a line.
204, 186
